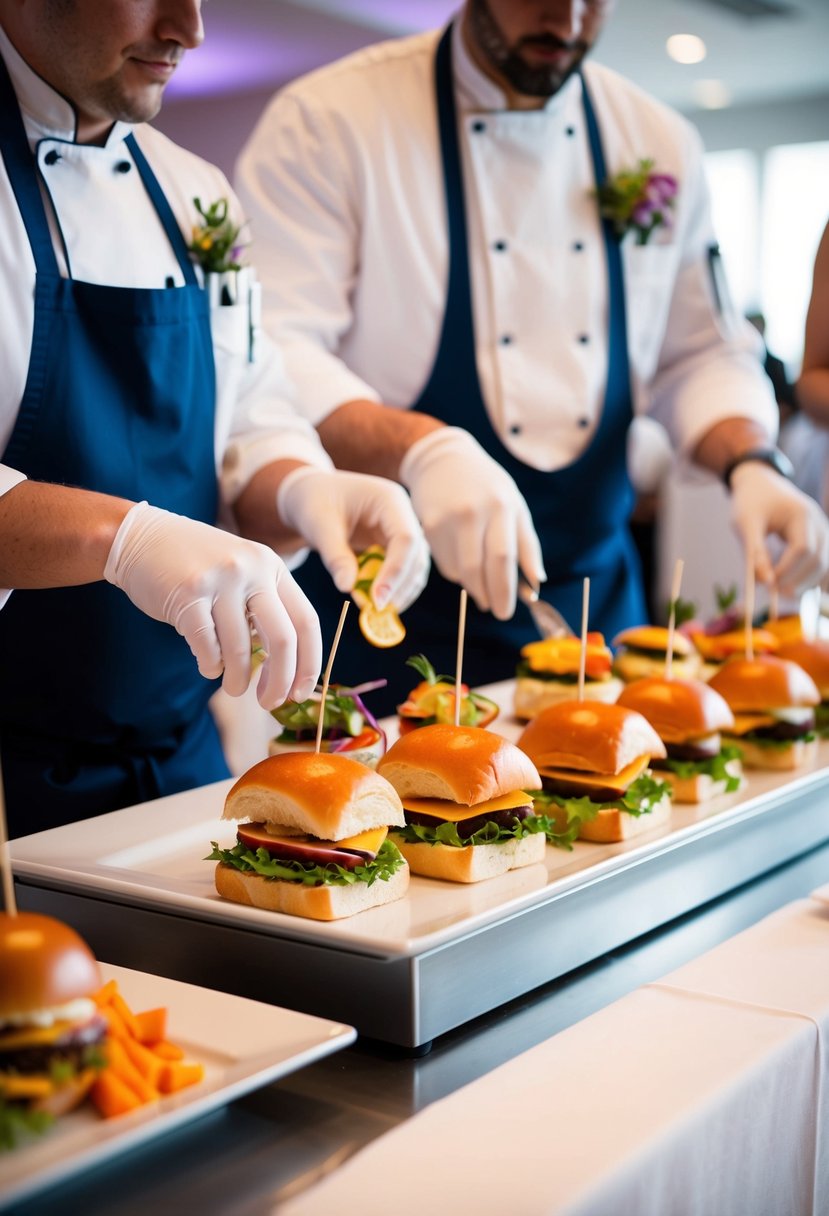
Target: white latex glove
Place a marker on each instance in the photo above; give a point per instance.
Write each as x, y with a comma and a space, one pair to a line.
477, 523
762, 504
340, 513
211, 587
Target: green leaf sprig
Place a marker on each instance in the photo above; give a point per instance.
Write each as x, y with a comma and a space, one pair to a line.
215, 243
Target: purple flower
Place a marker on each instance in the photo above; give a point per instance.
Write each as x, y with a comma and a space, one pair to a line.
642, 214
664, 186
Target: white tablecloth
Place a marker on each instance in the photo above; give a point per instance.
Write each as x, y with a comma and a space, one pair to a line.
705, 1094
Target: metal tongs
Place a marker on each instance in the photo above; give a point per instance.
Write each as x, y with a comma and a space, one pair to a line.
548, 620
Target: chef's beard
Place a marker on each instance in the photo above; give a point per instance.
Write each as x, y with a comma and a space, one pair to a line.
542, 81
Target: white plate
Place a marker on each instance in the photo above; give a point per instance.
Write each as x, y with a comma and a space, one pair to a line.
152, 856
242, 1045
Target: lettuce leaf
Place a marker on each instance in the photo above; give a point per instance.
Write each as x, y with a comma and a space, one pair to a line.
716, 768
491, 833
16, 1120
387, 862
779, 744
639, 798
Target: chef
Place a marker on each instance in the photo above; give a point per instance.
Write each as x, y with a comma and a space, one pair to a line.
457, 314
129, 416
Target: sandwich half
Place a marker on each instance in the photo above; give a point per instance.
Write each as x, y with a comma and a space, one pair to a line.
468, 811
314, 841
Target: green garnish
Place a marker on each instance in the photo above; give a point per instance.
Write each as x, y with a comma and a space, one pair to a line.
259, 861
491, 833
16, 1120
716, 768
298, 716
639, 798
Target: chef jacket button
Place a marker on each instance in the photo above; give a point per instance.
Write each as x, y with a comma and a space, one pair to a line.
506, 339
584, 423
52, 157
577, 246
515, 429
123, 166
499, 246
478, 126
571, 131
584, 339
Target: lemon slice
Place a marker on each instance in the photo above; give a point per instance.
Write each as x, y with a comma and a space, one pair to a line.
381, 627
368, 563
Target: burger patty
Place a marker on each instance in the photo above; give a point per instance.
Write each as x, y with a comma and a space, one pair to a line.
699, 749
784, 730
468, 827
70, 1048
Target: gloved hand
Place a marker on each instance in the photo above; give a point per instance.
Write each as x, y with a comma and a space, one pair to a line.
211, 587
476, 521
762, 504
338, 513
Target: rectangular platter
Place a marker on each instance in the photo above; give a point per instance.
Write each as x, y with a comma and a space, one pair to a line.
135, 884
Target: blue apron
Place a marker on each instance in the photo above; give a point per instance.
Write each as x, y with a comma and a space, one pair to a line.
101, 706
580, 512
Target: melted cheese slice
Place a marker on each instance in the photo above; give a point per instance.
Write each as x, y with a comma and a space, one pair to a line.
747, 722
615, 781
33, 1036
454, 812
24, 1086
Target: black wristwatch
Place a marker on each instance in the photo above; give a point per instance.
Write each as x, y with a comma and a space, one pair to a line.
773, 457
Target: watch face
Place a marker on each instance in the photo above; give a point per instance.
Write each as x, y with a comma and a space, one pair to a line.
771, 456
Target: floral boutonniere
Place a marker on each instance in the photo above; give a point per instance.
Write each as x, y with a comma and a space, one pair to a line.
216, 246
638, 200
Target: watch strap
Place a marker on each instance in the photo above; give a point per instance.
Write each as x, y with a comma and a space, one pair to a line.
773, 457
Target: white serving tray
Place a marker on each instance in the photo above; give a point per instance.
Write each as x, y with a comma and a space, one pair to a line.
150, 857
242, 1044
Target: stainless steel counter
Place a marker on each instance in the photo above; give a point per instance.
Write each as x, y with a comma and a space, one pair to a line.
242, 1160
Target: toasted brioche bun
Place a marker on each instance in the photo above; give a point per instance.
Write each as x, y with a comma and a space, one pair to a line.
717, 647
766, 682
314, 903
678, 710
593, 737
363, 755
327, 796
653, 637
613, 825
779, 759
43, 964
531, 696
701, 787
464, 764
629, 665
813, 657
474, 863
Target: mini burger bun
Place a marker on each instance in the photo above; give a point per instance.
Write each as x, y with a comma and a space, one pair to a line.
653, 637
589, 736
43, 964
532, 695
779, 759
813, 657
314, 903
473, 862
464, 764
328, 796
763, 683
678, 710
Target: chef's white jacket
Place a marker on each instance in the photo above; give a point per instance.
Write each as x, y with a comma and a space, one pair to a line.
343, 187
106, 230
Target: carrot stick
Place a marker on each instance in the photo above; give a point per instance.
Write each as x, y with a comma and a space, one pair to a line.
124, 1068
112, 1096
167, 1051
151, 1025
178, 1076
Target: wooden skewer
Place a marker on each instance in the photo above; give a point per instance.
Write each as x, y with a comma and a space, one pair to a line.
585, 605
459, 655
749, 608
327, 677
774, 602
675, 586
9, 901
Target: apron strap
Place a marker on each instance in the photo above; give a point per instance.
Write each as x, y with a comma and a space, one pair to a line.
163, 210
618, 337
459, 287
22, 169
